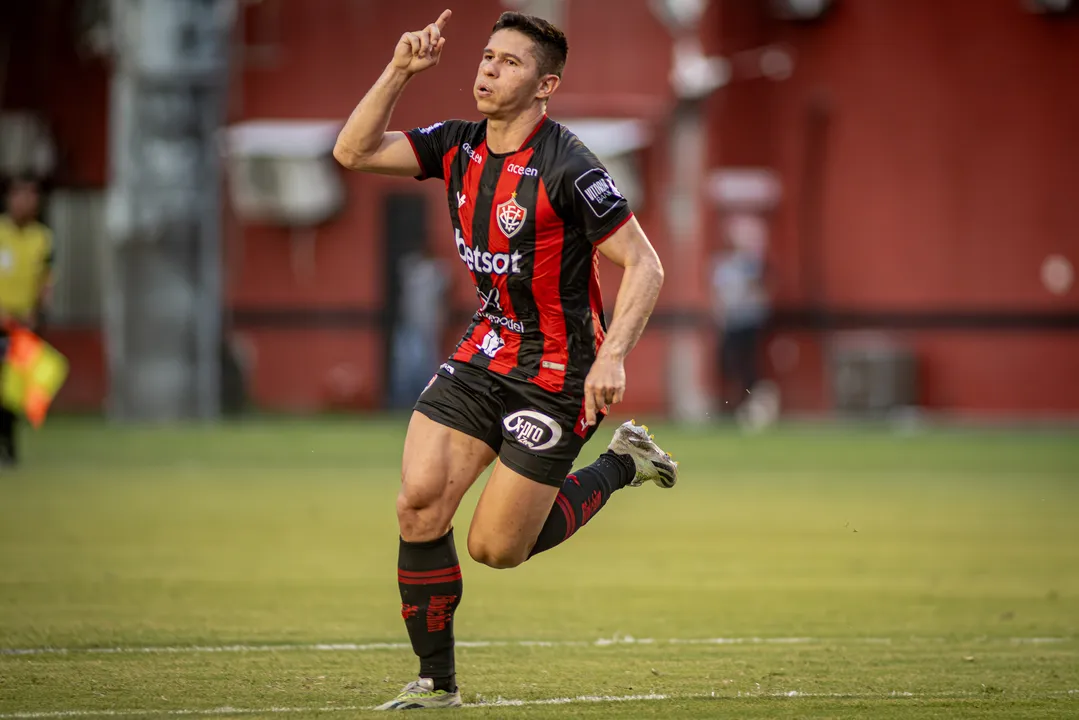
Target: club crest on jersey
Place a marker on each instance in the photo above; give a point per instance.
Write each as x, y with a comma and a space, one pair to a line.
511, 216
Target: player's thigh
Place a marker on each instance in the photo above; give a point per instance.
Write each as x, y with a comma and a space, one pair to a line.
541, 440
452, 437
508, 518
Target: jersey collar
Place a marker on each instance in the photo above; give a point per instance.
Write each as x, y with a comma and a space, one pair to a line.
529, 141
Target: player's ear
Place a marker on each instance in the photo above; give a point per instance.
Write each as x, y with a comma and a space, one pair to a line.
547, 86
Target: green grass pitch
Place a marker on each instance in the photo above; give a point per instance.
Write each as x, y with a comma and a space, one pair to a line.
809, 573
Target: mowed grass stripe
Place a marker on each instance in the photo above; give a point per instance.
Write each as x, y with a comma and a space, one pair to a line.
600, 643
508, 703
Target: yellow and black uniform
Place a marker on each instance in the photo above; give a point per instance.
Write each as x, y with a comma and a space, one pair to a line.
26, 256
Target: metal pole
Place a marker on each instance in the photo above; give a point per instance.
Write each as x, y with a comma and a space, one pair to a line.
162, 317
688, 150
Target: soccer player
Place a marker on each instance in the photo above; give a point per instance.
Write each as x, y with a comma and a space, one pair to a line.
534, 374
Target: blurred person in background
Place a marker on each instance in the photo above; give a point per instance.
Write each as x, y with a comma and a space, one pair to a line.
418, 333
741, 306
532, 208
26, 257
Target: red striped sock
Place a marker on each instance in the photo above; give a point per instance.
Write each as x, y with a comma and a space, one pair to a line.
429, 578
583, 494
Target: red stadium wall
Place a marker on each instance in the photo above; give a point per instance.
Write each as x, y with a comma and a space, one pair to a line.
930, 163
927, 151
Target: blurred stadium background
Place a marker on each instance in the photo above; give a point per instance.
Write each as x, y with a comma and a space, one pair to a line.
868, 214
914, 164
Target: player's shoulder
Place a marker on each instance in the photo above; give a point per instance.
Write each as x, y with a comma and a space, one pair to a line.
573, 168
34, 231
445, 134
452, 126
39, 231
565, 151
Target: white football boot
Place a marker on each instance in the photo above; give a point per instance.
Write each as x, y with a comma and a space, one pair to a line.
421, 695
652, 462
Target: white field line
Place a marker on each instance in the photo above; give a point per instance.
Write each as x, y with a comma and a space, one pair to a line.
601, 642
505, 702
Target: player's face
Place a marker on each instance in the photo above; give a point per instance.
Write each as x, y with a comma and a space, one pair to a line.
22, 202
508, 79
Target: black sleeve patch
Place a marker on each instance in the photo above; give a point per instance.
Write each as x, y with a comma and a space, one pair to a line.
599, 192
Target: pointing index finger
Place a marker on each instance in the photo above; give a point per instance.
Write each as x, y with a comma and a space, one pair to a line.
443, 19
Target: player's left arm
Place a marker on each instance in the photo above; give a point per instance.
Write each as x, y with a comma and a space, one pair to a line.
642, 278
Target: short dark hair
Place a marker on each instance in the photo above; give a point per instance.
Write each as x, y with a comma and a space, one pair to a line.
25, 178
551, 44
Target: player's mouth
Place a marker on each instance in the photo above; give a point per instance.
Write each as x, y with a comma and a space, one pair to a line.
484, 90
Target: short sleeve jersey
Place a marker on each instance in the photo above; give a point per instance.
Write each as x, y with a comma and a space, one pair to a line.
527, 225
26, 254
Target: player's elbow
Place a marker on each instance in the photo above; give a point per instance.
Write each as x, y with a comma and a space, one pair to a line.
349, 158
650, 264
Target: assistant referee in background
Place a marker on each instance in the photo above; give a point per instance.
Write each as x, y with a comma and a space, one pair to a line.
26, 257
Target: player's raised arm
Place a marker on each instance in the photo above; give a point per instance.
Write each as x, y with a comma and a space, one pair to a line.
364, 143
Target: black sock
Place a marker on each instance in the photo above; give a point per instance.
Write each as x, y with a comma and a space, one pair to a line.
582, 496
7, 436
429, 577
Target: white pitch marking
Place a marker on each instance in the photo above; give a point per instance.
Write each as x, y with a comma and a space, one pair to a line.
503, 702
506, 702
601, 642
771, 641
496, 702
183, 711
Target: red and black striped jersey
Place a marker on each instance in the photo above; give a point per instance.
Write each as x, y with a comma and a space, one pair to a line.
527, 225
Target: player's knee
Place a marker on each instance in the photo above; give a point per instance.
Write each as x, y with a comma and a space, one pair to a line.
418, 512
499, 556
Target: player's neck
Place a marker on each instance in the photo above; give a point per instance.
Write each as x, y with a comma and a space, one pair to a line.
507, 136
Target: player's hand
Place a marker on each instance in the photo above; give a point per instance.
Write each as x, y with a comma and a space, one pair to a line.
605, 385
420, 50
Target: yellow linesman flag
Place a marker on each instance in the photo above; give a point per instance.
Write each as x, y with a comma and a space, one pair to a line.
33, 373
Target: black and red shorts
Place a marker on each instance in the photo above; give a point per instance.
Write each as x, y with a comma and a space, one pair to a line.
535, 432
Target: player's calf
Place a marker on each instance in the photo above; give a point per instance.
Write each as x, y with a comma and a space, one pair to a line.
632, 458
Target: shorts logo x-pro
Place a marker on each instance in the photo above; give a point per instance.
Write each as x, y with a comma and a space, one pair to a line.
533, 429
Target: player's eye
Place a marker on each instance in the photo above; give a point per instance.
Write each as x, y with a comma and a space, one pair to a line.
512, 63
